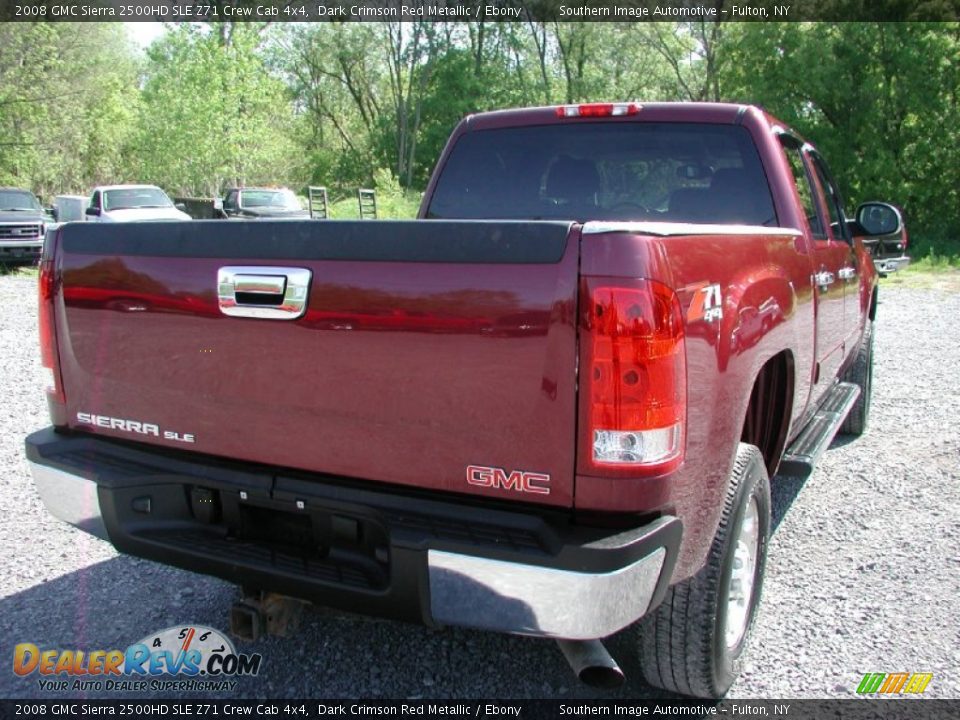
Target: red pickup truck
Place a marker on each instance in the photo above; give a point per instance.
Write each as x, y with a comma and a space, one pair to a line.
550, 406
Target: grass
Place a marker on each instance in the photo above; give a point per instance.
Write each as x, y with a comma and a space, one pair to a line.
19, 270
932, 272
934, 263
400, 206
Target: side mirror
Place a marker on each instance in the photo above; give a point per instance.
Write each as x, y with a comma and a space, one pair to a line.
92, 212
55, 213
180, 206
878, 218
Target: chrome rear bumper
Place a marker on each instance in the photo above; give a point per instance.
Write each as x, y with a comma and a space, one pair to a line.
890, 265
542, 601
437, 561
71, 498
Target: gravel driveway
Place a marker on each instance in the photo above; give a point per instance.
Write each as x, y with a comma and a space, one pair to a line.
863, 574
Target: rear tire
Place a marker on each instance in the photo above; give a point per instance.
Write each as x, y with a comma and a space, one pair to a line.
861, 375
694, 642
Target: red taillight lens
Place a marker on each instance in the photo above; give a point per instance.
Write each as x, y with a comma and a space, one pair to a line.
633, 377
593, 110
48, 352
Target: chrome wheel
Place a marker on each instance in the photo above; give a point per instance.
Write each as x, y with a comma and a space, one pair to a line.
742, 576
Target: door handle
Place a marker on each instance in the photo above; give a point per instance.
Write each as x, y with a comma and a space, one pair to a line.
824, 279
847, 273
273, 293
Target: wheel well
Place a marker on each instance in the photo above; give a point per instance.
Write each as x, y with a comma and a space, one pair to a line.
768, 414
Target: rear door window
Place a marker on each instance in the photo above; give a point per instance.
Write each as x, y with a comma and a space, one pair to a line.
831, 197
805, 190
677, 172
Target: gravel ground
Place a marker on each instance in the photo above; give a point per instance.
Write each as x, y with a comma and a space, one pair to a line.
863, 573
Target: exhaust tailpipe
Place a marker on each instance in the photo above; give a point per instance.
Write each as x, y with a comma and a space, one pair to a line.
592, 663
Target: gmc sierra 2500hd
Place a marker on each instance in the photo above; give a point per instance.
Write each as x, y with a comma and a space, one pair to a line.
550, 406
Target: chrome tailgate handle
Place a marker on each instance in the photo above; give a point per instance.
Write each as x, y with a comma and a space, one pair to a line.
274, 293
260, 284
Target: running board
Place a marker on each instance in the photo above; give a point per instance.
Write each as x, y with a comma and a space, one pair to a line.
802, 455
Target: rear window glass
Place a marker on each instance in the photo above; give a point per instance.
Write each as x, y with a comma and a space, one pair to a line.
269, 198
129, 198
606, 171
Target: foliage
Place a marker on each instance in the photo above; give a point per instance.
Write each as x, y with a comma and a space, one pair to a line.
933, 261
68, 96
351, 105
209, 113
881, 102
393, 201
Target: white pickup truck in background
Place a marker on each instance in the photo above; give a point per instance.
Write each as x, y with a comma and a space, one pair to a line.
132, 203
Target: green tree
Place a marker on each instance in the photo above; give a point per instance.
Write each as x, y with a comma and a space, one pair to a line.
212, 114
880, 101
68, 98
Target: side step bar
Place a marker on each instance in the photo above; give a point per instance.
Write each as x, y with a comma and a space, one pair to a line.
802, 455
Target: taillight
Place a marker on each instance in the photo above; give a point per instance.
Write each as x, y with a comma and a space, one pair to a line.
48, 350
633, 389
598, 110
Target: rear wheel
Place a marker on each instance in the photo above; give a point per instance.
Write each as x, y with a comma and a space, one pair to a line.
694, 642
861, 375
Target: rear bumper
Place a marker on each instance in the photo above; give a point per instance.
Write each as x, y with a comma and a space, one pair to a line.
889, 265
27, 248
449, 561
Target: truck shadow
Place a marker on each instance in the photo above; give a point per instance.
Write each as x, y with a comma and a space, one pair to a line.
784, 489
112, 604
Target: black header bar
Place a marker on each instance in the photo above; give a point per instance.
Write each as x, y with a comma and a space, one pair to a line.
139, 707
476, 11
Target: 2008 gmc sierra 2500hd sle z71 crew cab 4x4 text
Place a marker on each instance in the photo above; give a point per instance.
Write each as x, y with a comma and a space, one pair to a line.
550, 406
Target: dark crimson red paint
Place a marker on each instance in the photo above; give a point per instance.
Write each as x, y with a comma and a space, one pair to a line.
409, 373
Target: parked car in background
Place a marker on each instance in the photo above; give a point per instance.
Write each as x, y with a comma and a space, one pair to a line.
132, 203
22, 226
69, 208
256, 203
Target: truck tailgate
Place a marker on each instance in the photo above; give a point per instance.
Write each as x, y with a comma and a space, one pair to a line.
425, 348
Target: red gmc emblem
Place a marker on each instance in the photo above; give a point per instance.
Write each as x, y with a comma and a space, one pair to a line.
518, 480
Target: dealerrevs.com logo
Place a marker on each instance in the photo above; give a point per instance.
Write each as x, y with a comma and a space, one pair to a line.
184, 658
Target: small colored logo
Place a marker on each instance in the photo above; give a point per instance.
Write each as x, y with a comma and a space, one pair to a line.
706, 304
191, 657
894, 683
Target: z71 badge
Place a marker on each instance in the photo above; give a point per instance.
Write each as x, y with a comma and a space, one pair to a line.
707, 303
518, 480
